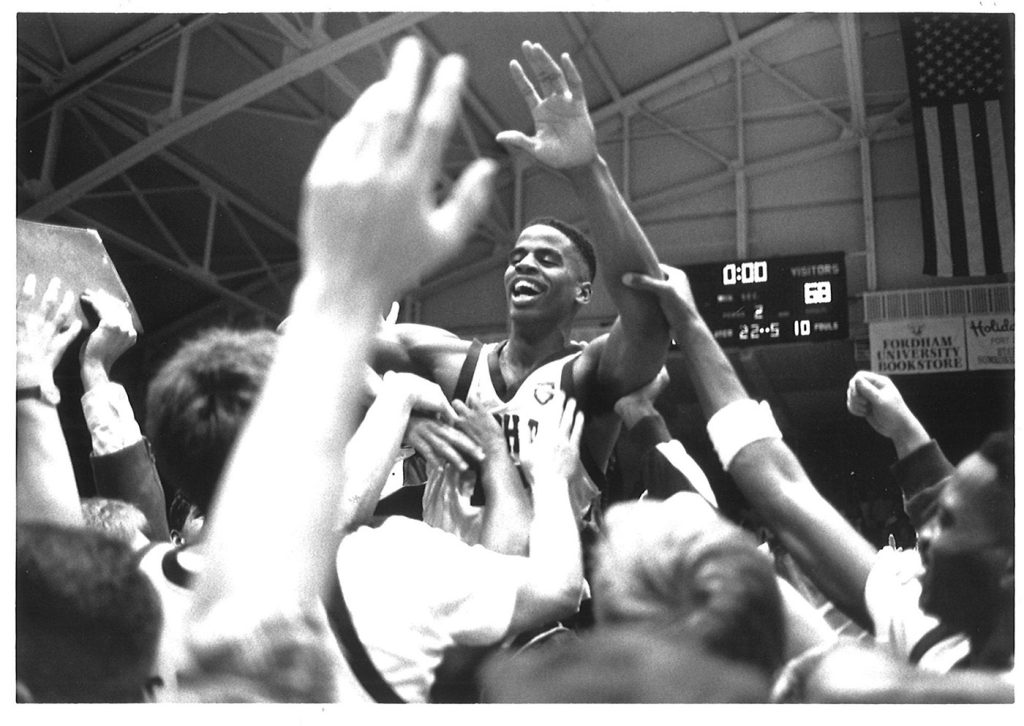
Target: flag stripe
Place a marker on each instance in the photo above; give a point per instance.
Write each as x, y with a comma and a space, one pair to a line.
954, 207
1001, 178
986, 193
940, 220
968, 190
964, 152
924, 182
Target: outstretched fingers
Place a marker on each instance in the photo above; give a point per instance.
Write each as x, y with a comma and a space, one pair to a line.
438, 112
28, 289
398, 101
522, 82
549, 75
65, 310
48, 304
453, 220
573, 78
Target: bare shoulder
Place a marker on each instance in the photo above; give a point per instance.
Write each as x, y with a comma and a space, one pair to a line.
431, 352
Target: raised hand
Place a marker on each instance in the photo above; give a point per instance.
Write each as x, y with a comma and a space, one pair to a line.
369, 209
114, 334
564, 134
876, 399
45, 328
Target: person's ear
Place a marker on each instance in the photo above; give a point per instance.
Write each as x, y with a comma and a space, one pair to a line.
584, 291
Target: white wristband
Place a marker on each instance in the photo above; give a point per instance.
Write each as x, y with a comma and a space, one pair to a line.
738, 424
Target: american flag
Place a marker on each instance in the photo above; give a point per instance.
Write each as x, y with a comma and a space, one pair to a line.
960, 74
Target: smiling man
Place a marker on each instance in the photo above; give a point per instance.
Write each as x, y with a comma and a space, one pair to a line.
549, 277
967, 550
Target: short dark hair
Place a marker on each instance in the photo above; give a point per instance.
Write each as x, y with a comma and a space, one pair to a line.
88, 620
198, 402
578, 239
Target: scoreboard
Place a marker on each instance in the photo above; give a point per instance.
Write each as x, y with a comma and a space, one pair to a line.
794, 299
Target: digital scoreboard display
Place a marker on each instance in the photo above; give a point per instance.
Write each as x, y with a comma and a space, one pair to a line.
794, 299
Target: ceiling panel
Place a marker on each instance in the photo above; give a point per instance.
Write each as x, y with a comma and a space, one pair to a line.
203, 190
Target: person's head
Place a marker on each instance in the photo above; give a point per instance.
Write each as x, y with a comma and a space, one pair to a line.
679, 565
118, 518
87, 620
550, 272
198, 402
622, 664
966, 545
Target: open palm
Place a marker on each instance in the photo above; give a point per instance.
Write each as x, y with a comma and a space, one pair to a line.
564, 133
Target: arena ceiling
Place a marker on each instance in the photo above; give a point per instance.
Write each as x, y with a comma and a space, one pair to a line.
183, 139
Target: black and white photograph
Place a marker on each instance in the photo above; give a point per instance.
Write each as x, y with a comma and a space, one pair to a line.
480, 356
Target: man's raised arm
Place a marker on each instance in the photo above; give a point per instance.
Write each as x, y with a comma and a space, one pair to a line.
564, 139
764, 468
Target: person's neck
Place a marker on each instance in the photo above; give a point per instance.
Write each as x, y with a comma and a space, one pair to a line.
526, 347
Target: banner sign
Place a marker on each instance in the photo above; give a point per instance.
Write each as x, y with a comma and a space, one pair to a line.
925, 345
989, 341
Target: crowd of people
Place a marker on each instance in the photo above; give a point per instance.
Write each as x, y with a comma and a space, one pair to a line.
264, 536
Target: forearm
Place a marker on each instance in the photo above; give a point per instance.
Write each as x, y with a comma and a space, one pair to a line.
621, 244
921, 475
44, 476
122, 463
310, 383
714, 379
773, 481
823, 543
371, 454
910, 436
109, 417
507, 513
554, 538
640, 337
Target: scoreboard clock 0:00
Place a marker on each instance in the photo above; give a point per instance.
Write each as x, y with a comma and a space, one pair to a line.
793, 299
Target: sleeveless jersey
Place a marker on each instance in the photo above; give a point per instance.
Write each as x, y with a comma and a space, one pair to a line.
448, 497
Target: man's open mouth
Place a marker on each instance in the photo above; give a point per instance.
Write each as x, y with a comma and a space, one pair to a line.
525, 291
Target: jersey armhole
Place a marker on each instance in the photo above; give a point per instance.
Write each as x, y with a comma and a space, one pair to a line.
466, 373
594, 471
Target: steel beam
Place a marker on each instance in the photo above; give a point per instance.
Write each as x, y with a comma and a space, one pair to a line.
698, 66
231, 101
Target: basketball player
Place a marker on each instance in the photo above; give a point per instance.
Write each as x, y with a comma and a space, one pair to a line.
549, 278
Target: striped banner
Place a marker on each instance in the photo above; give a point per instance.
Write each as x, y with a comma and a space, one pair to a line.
960, 75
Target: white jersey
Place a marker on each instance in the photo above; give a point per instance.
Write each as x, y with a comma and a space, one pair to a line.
447, 496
